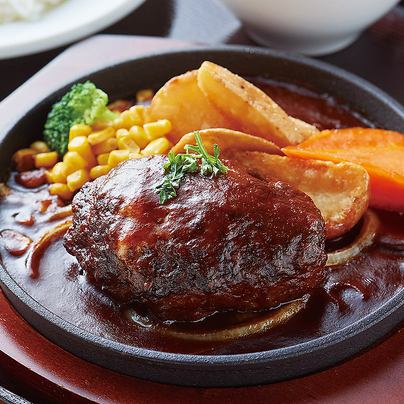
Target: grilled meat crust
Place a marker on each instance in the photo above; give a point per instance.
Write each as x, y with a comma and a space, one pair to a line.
232, 242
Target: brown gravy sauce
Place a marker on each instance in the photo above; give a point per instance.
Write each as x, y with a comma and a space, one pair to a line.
351, 291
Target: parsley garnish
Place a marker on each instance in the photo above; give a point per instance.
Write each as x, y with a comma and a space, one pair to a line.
179, 165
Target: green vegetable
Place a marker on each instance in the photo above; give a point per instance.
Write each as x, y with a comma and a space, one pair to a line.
179, 165
84, 103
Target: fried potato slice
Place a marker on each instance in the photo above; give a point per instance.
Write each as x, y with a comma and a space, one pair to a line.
182, 102
305, 129
340, 191
228, 141
249, 108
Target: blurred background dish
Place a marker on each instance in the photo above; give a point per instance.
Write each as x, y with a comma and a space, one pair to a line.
312, 27
14, 10
69, 21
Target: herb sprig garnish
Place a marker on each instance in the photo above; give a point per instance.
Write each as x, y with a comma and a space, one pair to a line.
184, 163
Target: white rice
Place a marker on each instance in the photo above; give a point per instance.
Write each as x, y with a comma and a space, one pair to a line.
14, 10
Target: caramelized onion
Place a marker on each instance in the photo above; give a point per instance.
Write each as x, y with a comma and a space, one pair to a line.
142, 321
41, 245
61, 213
257, 325
14, 242
364, 239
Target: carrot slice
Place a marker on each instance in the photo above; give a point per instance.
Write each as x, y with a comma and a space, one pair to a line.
380, 152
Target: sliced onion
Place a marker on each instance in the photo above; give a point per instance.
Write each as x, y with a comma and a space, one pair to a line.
61, 213
258, 325
138, 319
41, 245
365, 239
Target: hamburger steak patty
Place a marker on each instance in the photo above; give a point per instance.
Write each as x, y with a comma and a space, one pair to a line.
233, 242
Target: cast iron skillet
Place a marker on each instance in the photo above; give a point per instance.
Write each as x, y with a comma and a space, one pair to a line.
225, 370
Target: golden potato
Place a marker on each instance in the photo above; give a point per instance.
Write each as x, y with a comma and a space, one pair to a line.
228, 141
305, 129
340, 191
182, 102
248, 108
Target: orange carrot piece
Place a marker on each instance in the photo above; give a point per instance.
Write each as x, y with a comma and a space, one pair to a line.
380, 152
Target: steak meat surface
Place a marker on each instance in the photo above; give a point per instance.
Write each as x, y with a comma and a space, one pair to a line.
233, 242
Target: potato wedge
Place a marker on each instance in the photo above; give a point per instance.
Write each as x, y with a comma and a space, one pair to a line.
340, 191
182, 102
249, 108
304, 128
228, 141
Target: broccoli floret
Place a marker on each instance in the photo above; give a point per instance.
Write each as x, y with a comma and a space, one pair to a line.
84, 103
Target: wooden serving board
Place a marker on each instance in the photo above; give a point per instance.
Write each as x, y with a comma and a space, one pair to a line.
38, 369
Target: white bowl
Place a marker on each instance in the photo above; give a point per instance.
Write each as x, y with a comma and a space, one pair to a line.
313, 27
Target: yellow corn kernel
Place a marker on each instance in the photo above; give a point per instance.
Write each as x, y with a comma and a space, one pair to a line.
100, 170
58, 173
46, 160
77, 179
127, 119
135, 156
61, 190
106, 146
139, 135
49, 179
121, 132
128, 143
24, 159
79, 129
117, 156
157, 146
40, 147
157, 129
144, 95
74, 161
81, 145
100, 125
101, 136
140, 110
102, 159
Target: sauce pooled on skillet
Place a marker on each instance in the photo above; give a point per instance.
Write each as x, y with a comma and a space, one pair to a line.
55, 279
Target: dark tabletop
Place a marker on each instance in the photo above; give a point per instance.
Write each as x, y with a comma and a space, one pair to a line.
378, 55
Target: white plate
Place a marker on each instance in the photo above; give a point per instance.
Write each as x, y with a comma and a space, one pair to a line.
66, 23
